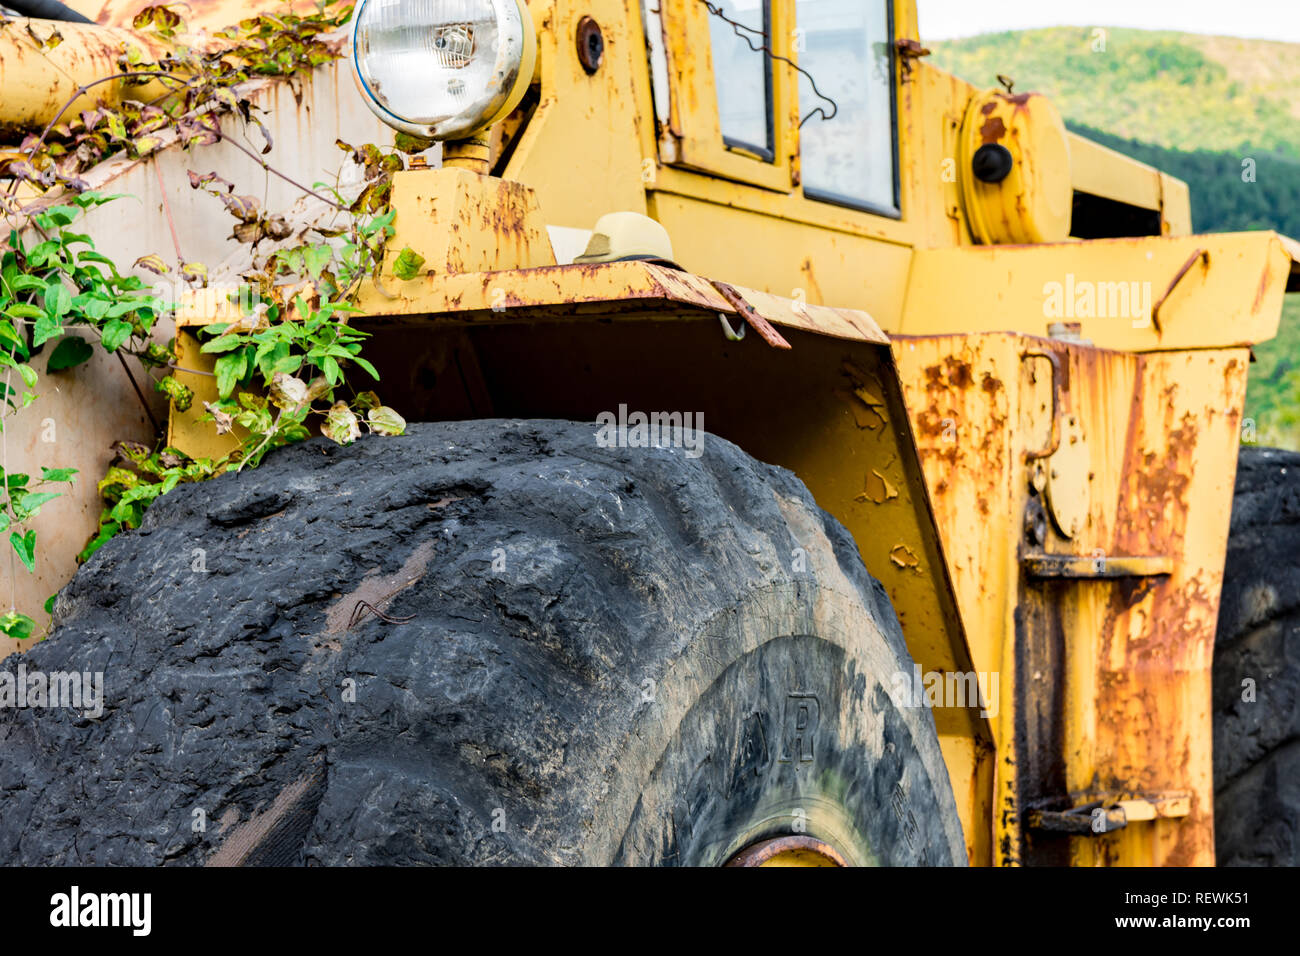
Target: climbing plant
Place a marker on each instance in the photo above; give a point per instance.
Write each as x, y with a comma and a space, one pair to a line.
287, 362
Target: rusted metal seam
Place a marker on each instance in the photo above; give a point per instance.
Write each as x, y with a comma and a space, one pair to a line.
759, 324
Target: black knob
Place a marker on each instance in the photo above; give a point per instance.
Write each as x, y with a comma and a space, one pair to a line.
991, 163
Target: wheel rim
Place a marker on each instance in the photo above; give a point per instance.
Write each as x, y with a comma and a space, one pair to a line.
793, 850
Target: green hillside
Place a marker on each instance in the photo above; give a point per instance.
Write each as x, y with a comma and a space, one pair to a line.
1195, 107
1178, 90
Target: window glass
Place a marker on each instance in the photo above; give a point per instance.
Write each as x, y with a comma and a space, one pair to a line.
741, 74
846, 46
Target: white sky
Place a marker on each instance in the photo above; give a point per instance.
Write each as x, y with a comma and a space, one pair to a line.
1264, 19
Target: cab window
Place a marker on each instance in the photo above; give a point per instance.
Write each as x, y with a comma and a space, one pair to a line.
848, 158
742, 74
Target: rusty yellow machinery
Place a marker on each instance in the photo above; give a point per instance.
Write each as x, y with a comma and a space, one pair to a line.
991, 348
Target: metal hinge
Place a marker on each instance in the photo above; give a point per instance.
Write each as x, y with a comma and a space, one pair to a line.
909, 50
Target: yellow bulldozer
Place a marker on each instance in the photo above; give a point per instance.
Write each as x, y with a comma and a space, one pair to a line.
820, 461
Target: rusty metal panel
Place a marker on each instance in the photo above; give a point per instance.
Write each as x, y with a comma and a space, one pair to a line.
1104, 669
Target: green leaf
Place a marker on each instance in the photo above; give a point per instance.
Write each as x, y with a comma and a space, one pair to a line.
25, 546
71, 351
408, 263
87, 200
106, 532
26, 284
57, 299
57, 474
29, 375
384, 421
49, 603
122, 308
116, 332
46, 328
61, 215
268, 354
40, 255
90, 255
96, 309
17, 626
230, 369
408, 143
23, 310
316, 258
30, 504
223, 343
370, 369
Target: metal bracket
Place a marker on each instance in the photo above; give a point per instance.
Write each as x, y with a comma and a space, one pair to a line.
1055, 442
1039, 564
1112, 812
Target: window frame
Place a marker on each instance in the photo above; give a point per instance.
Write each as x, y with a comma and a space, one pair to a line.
693, 137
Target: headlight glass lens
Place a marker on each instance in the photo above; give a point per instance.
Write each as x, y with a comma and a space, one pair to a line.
439, 68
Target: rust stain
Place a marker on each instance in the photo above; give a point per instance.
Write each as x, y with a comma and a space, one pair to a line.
807, 269
1264, 281
993, 129
1157, 634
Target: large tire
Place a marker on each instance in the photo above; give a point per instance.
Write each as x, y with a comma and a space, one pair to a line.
582, 655
1257, 668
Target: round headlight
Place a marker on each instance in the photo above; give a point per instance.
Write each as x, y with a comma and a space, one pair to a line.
442, 69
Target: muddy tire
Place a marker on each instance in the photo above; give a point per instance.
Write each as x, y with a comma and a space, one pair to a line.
486, 642
1257, 668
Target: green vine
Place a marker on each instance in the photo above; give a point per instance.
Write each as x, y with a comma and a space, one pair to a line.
282, 366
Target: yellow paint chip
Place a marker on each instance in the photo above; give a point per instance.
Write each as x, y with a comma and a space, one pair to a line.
878, 489
902, 556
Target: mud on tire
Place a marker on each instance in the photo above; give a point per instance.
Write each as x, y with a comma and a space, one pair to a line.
486, 642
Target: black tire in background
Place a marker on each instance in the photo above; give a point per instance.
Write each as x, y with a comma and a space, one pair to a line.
485, 642
1257, 668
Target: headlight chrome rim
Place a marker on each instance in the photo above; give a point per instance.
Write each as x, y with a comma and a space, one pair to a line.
512, 72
